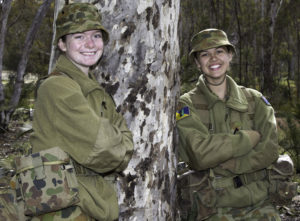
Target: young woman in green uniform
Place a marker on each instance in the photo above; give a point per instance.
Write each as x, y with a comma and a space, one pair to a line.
75, 113
228, 133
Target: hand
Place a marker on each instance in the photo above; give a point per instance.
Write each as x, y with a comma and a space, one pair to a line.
254, 137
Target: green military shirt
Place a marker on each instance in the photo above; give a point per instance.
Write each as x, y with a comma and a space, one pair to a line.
74, 113
217, 135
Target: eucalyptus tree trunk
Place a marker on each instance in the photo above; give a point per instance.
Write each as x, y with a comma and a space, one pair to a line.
140, 69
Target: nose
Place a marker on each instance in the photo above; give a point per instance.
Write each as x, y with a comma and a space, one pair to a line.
213, 56
89, 43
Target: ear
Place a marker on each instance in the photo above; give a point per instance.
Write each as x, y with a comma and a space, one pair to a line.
230, 55
62, 45
197, 63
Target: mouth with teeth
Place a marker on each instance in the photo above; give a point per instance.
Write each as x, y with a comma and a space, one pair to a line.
215, 67
92, 53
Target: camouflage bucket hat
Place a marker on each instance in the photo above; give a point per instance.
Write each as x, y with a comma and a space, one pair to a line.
79, 17
210, 38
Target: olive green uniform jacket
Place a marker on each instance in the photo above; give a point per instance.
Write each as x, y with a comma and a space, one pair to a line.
216, 136
74, 113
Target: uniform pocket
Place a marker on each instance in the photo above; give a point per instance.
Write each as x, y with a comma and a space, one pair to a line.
46, 181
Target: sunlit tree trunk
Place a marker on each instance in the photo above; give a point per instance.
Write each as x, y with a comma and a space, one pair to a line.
140, 69
5, 9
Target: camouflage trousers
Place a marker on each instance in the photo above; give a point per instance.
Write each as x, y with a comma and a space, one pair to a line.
72, 213
263, 212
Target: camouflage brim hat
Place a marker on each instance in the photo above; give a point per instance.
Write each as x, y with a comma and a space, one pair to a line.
79, 17
210, 38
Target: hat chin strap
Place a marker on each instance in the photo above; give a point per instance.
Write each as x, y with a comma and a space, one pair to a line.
217, 84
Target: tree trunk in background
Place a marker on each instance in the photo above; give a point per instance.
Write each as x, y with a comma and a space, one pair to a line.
6, 6
140, 69
237, 12
272, 10
18, 84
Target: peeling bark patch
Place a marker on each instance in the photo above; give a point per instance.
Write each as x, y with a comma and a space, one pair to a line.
111, 89
144, 166
142, 127
105, 77
165, 46
129, 191
121, 51
167, 2
145, 109
151, 136
137, 87
166, 191
102, 3
130, 29
149, 12
127, 214
156, 17
167, 154
150, 95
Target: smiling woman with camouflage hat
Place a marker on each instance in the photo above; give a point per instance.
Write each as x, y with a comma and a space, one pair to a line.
75, 114
227, 139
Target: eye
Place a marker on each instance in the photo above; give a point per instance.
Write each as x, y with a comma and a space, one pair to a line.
78, 36
203, 54
98, 35
220, 50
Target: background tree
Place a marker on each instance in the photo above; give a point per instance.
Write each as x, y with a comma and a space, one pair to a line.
266, 35
140, 69
5, 9
9, 104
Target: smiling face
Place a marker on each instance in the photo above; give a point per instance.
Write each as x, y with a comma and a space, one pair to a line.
83, 49
214, 63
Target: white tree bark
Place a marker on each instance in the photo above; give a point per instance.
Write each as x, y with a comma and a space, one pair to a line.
140, 69
142, 63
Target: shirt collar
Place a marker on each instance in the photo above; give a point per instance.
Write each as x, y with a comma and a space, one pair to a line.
67, 67
235, 97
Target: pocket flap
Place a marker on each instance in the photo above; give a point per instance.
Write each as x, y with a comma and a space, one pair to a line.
51, 156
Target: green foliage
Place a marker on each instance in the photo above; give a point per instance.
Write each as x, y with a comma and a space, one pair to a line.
19, 21
190, 76
289, 138
248, 25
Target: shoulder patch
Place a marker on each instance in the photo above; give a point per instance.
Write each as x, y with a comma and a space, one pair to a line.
265, 100
184, 112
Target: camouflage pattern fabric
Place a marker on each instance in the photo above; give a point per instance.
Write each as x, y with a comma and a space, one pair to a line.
210, 38
46, 181
72, 213
8, 209
79, 17
196, 197
262, 212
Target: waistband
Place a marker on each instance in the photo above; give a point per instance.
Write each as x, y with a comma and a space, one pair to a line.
83, 171
237, 181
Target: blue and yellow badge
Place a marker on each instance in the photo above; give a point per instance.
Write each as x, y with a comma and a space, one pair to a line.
184, 112
265, 101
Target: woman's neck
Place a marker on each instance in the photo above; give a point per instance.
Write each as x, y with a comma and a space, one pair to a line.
219, 90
